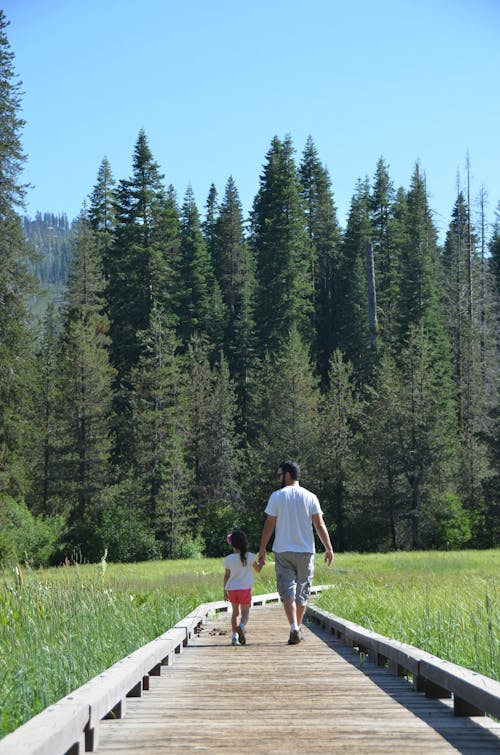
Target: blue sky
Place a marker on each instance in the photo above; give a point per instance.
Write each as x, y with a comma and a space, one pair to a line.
211, 83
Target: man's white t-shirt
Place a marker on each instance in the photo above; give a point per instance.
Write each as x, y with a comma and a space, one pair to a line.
241, 577
294, 507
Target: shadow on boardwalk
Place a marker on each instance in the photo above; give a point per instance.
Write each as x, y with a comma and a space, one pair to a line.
470, 736
268, 697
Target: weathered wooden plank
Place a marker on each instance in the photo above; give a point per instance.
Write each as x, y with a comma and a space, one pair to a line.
358, 714
480, 692
269, 697
474, 694
56, 729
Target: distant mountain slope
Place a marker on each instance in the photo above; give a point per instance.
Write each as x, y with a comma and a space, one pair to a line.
50, 238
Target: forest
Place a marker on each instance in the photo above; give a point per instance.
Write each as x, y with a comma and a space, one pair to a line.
146, 412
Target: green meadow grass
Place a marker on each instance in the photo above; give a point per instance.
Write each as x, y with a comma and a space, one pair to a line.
60, 627
447, 603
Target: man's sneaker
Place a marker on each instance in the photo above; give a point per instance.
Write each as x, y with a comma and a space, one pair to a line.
295, 637
241, 635
235, 641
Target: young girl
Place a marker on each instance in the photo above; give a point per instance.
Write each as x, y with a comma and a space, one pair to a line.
238, 581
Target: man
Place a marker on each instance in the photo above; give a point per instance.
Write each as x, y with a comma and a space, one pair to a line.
293, 511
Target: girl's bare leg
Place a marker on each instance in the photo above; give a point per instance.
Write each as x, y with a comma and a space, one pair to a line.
235, 616
245, 613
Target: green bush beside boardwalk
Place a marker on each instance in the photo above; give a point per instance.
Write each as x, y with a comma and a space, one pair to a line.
60, 627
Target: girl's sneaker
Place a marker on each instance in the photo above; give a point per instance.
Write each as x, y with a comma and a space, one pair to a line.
241, 635
234, 640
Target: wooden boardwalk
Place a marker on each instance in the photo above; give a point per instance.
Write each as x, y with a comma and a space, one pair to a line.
269, 697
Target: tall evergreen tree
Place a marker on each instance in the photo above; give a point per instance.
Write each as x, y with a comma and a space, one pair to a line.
42, 443
159, 440
140, 271
199, 304
220, 461
471, 322
419, 300
198, 406
170, 224
494, 249
428, 440
86, 373
14, 283
456, 287
383, 507
102, 211
208, 225
354, 331
279, 241
284, 421
234, 270
386, 243
339, 415
323, 251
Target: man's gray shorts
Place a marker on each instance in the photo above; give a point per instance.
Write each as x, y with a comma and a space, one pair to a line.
294, 575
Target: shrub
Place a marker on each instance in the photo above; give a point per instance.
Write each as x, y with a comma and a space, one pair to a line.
189, 547
25, 537
123, 530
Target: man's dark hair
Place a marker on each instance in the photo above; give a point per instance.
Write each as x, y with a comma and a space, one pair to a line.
292, 467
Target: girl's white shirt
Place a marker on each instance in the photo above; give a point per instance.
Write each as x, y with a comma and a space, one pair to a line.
241, 576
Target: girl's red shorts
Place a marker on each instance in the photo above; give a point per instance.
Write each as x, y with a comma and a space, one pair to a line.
243, 597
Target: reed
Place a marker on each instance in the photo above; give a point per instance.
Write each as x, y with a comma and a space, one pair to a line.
446, 604
60, 627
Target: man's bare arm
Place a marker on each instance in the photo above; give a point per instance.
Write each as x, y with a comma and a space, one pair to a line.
267, 531
320, 527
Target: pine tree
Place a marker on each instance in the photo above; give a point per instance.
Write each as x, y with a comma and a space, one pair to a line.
199, 304
170, 228
471, 326
86, 374
159, 441
284, 421
219, 467
456, 289
428, 440
354, 331
139, 270
42, 443
383, 507
14, 282
198, 401
102, 211
323, 252
339, 413
419, 300
208, 225
235, 274
284, 289
494, 249
386, 243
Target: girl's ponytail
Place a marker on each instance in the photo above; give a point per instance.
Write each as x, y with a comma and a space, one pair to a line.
240, 541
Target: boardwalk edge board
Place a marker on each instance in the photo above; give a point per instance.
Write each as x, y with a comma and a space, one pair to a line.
71, 725
473, 694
